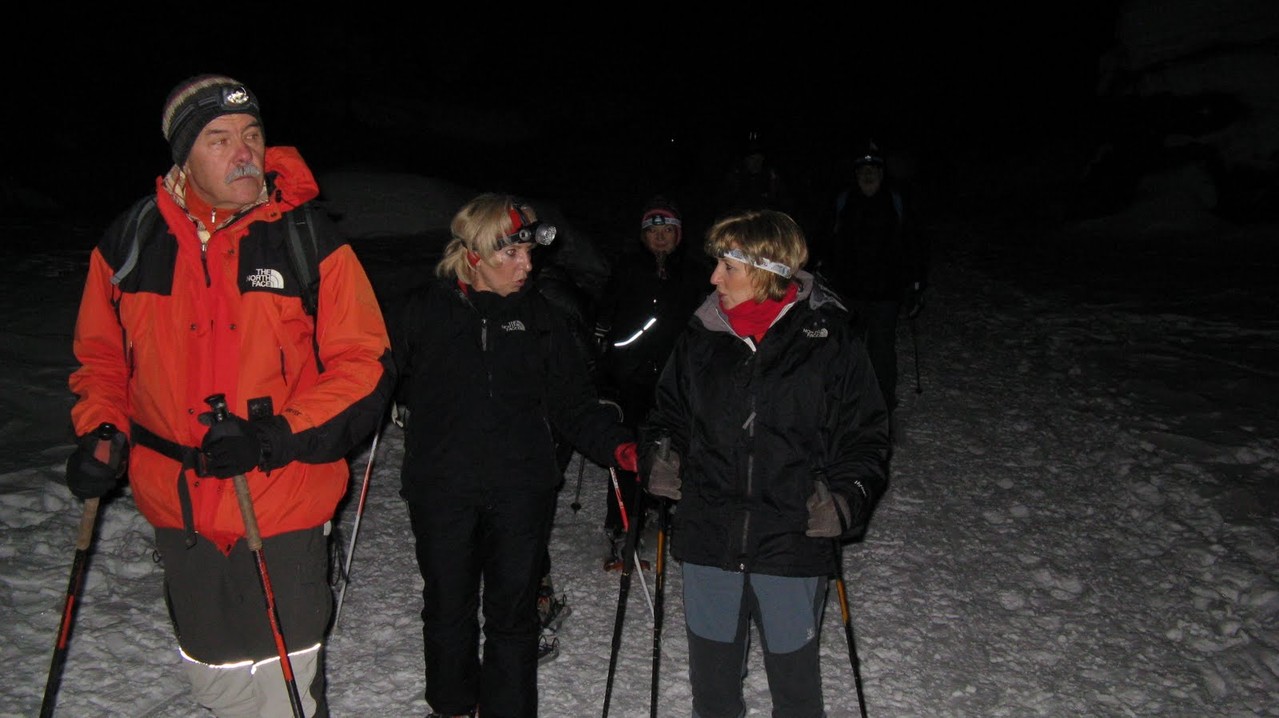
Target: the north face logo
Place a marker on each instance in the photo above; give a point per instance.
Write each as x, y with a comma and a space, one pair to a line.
816, 333
266, 279
514, 325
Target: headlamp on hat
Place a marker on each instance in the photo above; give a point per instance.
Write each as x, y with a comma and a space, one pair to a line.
659, 220
195, 102
525, 231
869, 160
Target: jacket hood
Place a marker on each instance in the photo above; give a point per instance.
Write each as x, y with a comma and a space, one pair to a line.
289, 182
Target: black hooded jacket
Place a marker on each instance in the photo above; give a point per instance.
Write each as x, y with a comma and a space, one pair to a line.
485, 378
636, 295
756, 426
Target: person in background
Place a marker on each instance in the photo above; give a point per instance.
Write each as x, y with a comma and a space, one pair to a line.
654, 288
876, 261
754, 181
778, 450
488, 370
212, 307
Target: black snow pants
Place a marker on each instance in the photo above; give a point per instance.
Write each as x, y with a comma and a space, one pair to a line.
498, 540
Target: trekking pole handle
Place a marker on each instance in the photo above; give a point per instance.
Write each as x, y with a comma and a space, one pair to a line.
252, 536
105, 431
217, 402
664, 448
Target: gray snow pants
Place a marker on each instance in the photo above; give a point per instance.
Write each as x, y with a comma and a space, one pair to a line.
719, 607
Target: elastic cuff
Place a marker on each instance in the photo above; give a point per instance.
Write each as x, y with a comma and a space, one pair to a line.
276, 438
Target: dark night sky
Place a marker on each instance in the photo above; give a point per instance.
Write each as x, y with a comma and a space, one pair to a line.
813, 85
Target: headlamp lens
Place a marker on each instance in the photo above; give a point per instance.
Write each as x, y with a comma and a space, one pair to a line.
236, 98
538, 232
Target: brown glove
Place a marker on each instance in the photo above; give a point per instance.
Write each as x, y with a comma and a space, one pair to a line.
827, 513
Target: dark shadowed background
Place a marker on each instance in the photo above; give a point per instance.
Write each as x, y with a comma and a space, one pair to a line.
584, 108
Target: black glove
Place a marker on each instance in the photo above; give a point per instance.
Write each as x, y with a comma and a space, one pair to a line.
914, 300
98, 462
659, 469
231, 447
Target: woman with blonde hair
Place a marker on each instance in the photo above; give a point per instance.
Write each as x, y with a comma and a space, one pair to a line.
488, 370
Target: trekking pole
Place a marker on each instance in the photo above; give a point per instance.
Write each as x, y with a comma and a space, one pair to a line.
663, 533
577, 495
643, 583
84, 539
848, 625
626, 528
253, 537
659, 583
659, 591
914, 338
624, 588
355, 528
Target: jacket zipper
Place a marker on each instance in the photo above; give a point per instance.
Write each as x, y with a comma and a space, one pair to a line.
749, 426
484, 348
204, 262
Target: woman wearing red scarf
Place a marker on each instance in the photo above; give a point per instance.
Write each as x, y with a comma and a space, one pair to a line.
779, 450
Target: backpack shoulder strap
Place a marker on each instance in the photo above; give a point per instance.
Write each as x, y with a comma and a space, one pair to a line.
304, 255
137, 227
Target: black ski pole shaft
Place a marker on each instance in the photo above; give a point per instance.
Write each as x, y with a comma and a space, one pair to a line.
848, 626
659, 590
914, 339
624, 587
577, 495
659, 583
253, 537
84, 539
355, 528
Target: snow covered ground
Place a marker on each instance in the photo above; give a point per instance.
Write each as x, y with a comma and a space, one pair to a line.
1082, 519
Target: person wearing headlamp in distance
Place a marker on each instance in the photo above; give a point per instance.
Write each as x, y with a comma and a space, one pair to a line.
652, 291
488, 369
769, 430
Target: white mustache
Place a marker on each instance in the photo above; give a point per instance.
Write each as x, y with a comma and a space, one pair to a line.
249, 170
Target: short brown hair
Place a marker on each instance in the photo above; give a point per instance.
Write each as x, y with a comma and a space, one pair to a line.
763, 235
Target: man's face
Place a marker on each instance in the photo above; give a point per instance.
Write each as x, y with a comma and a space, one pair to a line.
226, 162
869, 178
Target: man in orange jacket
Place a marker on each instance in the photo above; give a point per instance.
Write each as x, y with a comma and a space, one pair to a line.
205, 301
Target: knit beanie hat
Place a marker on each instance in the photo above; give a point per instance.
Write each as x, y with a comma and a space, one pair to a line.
660, 211
195, 101
872, 156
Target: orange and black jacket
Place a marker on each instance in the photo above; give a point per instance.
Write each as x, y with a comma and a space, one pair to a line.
189, 322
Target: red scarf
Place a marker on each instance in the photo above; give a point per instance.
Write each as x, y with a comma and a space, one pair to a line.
752, 319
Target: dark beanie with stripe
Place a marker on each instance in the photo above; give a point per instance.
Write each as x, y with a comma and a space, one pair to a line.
195, 101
